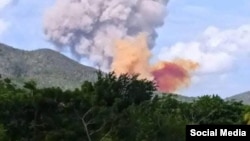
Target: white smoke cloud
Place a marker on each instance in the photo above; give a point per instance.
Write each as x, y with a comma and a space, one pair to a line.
89, 27
217, 51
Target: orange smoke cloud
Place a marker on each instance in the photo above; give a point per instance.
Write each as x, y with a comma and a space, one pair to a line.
170, 76
132, 56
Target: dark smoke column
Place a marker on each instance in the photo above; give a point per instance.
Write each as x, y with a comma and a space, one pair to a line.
90, 27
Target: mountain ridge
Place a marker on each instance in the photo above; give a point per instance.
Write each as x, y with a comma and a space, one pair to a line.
51, 68
46, 66
244, 97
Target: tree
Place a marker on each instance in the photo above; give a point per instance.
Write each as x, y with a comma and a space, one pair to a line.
247, 118
3, 136
214, 110
31, 85
113, 108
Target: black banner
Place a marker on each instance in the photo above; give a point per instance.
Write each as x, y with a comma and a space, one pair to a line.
217, 132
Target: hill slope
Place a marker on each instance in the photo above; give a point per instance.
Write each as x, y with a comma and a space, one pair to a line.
244, 97
46, 66
50, 68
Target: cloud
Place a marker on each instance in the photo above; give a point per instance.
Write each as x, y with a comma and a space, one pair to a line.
3, 26
90, 27
4, 3
217, 51
3, 23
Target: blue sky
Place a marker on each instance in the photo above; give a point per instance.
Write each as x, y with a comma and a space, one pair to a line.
187, 22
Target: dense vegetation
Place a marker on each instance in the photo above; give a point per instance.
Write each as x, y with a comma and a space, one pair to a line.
111, 109
47, 67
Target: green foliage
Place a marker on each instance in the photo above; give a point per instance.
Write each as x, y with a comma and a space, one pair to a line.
30, 85
111, 109
214, 110
3, 136
246, 115
47, 67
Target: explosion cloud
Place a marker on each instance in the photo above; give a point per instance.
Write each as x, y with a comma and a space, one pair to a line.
89, 27
170, 76
116, 35
132, 56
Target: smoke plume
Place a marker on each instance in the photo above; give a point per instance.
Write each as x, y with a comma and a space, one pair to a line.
89, 27
171, 76
133, 56
116, 35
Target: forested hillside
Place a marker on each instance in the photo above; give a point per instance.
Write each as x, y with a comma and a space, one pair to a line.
110, 109
45, 66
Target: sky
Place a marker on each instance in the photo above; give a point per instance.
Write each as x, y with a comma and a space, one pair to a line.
214, 33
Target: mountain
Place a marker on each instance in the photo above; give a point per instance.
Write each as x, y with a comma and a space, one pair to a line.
244, 97
177, 96
50, 68
47, 67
